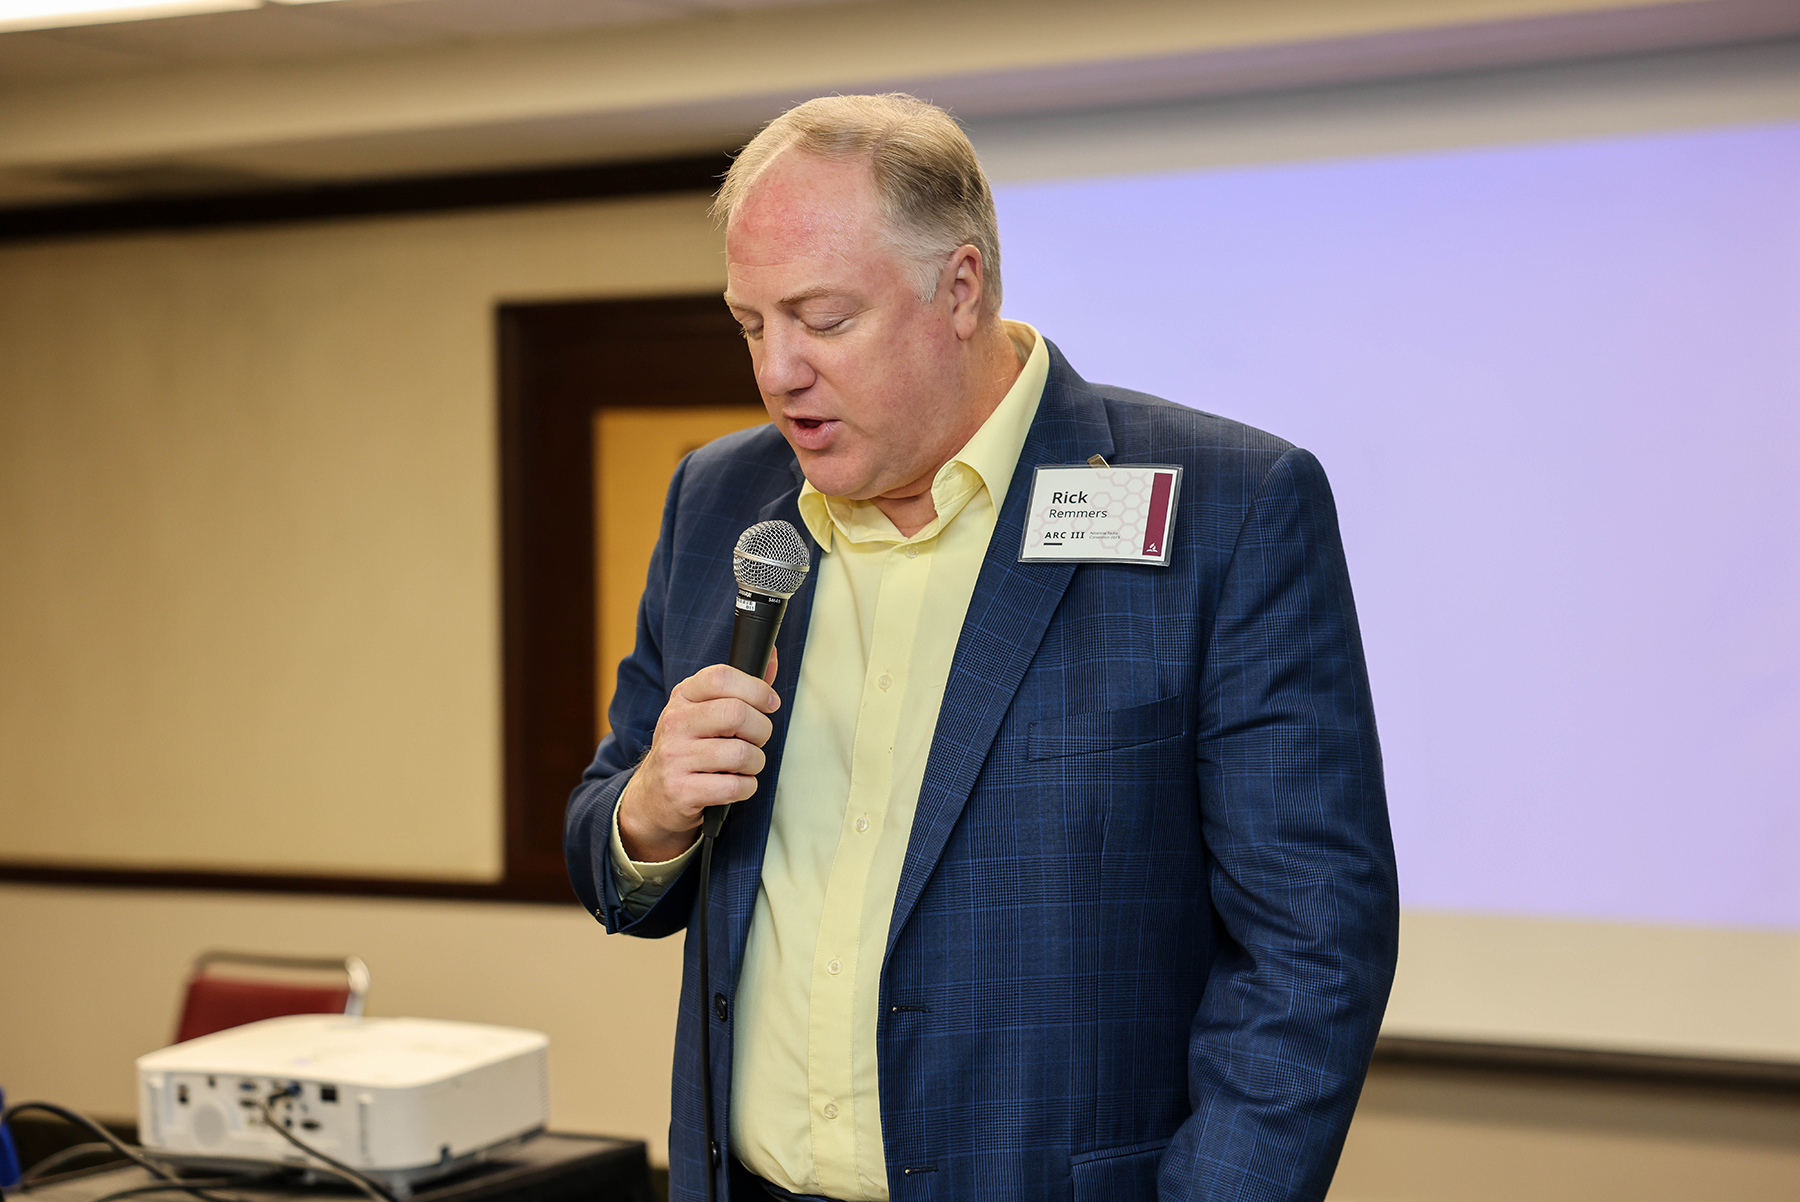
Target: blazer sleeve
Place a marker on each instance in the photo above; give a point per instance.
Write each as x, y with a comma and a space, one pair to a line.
637, 703
1300, 862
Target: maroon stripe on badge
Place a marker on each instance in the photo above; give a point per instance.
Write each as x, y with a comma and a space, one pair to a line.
1157, 527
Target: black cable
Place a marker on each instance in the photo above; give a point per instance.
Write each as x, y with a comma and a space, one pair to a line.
118, 1145
709, 831
193, 1183
369, 1188
81, 1120
57, 1160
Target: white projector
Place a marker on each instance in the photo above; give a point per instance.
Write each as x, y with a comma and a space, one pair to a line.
400, 1100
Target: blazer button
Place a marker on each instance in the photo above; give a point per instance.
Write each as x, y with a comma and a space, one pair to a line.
721, 1009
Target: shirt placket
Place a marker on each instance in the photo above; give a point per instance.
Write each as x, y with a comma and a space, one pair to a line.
847, 927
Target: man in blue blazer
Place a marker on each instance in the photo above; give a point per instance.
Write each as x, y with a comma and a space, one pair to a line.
1141, 919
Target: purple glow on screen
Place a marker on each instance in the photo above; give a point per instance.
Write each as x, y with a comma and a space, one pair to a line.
1557, 389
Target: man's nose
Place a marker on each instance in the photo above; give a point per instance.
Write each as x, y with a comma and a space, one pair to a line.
783, 367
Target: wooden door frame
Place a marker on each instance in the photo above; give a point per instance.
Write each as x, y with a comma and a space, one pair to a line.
560, 365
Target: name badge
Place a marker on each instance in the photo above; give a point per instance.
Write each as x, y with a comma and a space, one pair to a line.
1114, 514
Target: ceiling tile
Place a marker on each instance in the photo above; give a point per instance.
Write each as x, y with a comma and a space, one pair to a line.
504, 146
476, 18
35, 57
281, 31
274, 32
735, 5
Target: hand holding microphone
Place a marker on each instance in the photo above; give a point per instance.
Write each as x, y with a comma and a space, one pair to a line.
707, 749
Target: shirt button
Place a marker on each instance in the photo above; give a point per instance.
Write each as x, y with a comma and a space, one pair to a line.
912, 552
830, 1110
885, 682
862, 825
835, 967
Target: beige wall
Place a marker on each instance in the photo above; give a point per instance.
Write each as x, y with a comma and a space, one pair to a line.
1437, 1135
1629, 987
248, 519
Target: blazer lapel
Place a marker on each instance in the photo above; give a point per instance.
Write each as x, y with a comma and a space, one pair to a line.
1011, 608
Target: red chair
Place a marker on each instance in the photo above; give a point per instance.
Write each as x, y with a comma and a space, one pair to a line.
217, 1000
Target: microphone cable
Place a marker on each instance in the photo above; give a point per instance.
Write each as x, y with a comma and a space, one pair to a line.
713, 1157
770, 563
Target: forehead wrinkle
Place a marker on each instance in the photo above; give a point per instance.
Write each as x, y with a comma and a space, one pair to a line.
814, 293
817, 292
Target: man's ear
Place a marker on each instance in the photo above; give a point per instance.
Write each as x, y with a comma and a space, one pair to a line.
967, 290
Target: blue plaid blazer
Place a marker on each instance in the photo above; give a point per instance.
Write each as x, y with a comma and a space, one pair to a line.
1147, 922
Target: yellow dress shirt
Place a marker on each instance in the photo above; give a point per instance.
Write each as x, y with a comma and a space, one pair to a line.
886, 617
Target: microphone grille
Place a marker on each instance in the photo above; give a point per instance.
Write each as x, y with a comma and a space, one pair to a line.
771, 559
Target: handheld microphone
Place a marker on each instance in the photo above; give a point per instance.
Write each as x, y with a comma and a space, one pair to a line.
770, 563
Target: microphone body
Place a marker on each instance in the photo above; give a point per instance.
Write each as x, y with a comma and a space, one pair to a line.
753, 630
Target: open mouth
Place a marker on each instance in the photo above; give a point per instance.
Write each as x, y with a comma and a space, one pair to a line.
812, 433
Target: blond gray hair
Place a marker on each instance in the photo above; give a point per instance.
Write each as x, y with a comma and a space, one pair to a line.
933, 194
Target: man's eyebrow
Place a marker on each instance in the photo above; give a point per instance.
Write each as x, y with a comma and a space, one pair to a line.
786, 302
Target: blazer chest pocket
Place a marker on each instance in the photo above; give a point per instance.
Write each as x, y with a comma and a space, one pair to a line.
1108, 730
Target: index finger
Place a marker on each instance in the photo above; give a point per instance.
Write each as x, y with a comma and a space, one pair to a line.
723, 680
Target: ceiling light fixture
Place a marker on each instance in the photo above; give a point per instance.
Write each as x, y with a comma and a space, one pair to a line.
56, 14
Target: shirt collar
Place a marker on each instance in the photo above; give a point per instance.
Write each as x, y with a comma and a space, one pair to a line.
987, 461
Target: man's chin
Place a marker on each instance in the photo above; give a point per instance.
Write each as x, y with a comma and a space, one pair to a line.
832, 476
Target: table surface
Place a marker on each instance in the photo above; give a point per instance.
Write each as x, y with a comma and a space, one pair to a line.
594, 1167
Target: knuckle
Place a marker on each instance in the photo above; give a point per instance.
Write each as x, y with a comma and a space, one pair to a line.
673, 719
